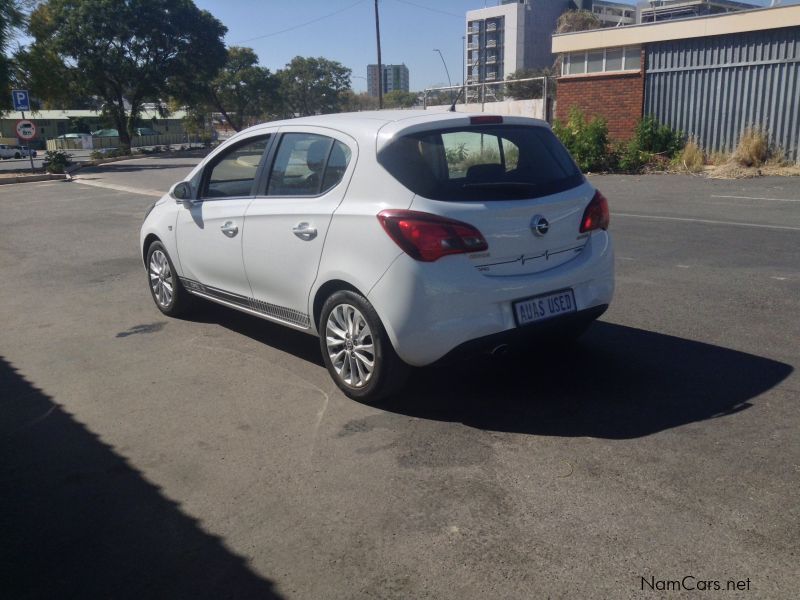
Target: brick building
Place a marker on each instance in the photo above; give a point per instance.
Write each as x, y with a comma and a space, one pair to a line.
709, 77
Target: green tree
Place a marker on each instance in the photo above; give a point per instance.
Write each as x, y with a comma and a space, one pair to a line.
530, 89
243, 91
352, 102
311, 86
126, 52
11, 19
400, 99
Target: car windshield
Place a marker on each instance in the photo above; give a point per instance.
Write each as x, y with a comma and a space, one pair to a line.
495, 162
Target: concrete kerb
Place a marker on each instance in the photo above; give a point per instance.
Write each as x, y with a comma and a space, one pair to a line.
34, 178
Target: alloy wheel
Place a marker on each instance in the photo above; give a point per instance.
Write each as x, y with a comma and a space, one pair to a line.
161, 280
350, 345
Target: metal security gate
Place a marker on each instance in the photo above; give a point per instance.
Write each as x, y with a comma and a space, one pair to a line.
715, 87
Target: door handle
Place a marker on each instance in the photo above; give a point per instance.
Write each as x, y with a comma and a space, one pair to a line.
230, 228
304, 231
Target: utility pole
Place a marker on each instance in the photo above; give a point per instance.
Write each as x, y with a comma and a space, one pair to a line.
380, 65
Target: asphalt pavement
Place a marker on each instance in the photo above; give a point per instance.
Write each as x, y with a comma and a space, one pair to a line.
213, 457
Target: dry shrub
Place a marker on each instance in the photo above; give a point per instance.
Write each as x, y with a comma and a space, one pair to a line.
753, 148
692, 157
719, 158
753, 158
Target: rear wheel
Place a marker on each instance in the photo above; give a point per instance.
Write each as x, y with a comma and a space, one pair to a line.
17, 155
165, 287
357, 352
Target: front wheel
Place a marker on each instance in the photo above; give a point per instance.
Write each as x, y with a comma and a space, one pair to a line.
17, 155
357, 352
165, 287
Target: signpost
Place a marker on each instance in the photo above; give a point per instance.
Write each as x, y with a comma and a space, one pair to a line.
21, 100
26, 130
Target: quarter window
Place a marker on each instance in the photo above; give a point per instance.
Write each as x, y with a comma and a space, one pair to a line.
232, 174
307, 164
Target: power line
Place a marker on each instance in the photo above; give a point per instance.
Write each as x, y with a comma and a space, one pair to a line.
436, 10
293, 27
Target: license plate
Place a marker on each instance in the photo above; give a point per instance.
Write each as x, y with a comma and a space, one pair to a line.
546, 306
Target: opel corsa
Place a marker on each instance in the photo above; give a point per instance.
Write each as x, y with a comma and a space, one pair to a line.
396, 237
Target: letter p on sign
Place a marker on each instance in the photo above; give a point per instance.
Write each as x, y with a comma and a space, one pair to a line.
20, 100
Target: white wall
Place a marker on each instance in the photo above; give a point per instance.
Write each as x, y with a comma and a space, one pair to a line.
518, 108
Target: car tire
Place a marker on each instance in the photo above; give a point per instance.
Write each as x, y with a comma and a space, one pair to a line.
17, 155
165, 287
351, 337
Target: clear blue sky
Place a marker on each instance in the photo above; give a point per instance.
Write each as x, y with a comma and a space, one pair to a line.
410, 29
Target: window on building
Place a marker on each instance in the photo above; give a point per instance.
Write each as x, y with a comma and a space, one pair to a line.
632, 58
613, 59
594, 61
599, 61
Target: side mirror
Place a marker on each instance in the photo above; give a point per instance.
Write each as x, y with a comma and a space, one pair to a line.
181, 191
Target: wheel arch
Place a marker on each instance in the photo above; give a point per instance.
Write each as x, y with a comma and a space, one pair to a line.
325, 291
148, 241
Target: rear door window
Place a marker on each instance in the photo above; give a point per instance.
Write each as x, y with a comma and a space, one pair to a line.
307, 164
497, 162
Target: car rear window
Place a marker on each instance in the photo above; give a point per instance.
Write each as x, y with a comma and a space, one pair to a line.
487, 162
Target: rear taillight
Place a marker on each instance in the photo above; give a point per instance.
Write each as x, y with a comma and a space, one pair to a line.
596, 215
428, 237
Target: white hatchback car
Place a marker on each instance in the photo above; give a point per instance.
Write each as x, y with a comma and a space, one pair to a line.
397, 237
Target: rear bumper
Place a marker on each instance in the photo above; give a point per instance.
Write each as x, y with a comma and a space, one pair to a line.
527, 335
431, 309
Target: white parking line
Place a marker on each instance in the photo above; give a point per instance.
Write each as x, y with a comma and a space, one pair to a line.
707, 221
757, 198
119, 188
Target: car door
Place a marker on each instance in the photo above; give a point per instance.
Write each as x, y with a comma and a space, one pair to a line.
286, 224
209, 229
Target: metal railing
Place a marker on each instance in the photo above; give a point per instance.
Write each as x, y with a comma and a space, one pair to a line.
487, 92
137, 141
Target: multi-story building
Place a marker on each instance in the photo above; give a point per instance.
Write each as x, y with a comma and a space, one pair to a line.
395, 77
614, 13
663, 10
514, 35
610, 13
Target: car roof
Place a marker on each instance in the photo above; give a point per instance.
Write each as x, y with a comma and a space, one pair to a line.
368, 124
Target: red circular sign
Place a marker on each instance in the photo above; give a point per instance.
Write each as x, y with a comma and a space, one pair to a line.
26, 130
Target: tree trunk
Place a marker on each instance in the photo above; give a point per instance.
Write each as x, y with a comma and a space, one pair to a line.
118, 114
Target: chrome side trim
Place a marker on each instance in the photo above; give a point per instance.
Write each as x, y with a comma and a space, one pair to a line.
273, 312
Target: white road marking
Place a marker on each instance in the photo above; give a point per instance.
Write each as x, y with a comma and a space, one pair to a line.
683, 266
119, 188
758, 198
780, 278
707, 221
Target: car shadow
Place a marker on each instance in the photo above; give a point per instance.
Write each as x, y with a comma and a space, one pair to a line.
616, 382
282, 338
79, 521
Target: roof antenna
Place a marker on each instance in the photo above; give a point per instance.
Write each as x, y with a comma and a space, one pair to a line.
453, 105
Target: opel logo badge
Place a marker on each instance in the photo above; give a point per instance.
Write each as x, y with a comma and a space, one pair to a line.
539, 225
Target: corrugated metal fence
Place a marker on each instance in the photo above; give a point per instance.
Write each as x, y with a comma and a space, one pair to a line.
715, 87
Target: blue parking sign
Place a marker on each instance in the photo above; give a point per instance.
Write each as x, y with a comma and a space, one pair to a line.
20, 99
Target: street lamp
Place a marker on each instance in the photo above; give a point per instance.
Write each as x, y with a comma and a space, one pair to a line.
449, 82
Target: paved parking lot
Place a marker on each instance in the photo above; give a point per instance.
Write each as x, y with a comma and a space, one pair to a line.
213, 457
